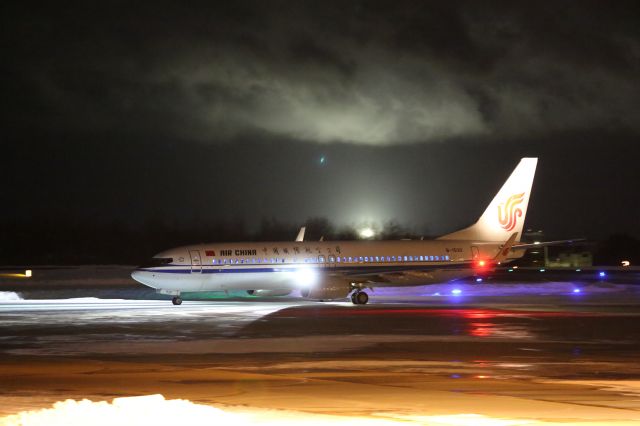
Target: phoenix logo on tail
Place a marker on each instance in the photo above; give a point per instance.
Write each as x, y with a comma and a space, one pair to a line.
509, 212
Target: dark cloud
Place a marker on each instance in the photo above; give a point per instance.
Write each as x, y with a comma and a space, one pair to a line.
223, 108
363, 72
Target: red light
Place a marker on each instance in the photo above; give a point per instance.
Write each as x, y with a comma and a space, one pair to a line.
481, 262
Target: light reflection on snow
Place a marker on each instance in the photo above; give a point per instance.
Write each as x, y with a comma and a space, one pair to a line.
158, 411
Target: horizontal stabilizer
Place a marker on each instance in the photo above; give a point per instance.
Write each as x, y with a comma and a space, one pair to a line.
547, 243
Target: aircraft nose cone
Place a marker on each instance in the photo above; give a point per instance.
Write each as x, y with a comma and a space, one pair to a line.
138, 276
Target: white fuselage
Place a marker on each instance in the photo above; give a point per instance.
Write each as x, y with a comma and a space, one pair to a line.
331, 269
299, 265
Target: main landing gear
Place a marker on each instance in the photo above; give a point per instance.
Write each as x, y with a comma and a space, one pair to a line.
359, 297
176, 300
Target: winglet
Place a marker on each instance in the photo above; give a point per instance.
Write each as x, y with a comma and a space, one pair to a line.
504, 250
300, 236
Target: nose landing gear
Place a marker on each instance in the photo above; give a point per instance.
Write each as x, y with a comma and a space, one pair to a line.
176, 300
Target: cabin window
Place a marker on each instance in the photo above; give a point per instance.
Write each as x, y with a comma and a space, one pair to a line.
437, 257
332, 259
320, 259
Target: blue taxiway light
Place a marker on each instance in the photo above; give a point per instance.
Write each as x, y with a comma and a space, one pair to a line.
602, 274
576, 290
478, 280
456, 291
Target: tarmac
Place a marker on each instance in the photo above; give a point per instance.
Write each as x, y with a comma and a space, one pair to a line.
510, 353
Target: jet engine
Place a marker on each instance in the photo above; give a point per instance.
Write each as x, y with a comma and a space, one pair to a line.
269, 293
329, 288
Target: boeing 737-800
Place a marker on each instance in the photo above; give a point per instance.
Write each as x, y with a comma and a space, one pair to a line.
329, 270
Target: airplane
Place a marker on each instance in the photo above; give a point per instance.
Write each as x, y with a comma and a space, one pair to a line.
334, 270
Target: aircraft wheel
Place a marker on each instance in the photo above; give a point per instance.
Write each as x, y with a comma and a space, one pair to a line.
360, 298
176, 301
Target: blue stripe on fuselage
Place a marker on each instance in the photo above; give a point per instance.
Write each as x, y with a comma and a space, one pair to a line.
292, 268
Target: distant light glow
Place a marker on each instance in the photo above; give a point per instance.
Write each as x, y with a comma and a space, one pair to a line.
478, 280
481, 263
542, 269
536, 242
323, 160
602, 274
625, 263
578, 270
456, 291
576, 290
510, 270
367, 233
28, 273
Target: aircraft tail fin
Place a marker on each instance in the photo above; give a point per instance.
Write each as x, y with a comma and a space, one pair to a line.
506, 212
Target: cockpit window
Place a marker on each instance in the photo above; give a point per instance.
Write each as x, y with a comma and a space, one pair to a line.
157, 261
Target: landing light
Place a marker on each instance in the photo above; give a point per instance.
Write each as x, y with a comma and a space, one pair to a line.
625, 263
306, 277
28, 273
478, 280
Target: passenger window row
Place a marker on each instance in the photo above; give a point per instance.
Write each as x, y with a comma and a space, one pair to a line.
335, 259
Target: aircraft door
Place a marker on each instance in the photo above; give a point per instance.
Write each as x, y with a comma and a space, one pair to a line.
196, 261
475, 253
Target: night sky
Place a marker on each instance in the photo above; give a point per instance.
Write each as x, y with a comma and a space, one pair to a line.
357, 111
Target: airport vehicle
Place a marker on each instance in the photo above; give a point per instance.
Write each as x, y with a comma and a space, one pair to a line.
329, 270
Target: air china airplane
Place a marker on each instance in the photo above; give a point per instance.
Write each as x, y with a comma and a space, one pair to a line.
330, 270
